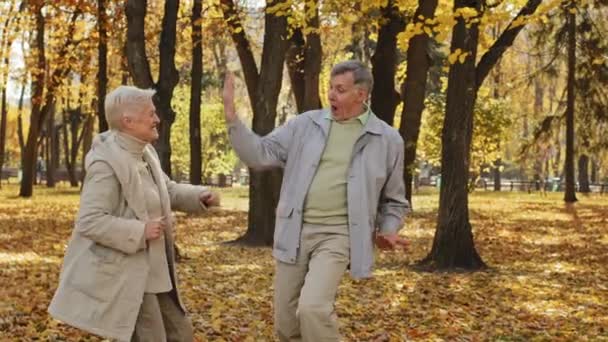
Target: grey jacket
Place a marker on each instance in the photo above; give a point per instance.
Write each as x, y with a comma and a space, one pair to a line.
376, 192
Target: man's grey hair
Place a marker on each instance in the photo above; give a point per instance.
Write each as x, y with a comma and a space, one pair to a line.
361, 74
123, 100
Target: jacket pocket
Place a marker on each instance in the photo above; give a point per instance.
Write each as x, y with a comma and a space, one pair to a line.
96, 275
106, 255
281, 231
284, 211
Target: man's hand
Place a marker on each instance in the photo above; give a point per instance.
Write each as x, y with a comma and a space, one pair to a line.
155, 228
228, 96
210, 199
391, 241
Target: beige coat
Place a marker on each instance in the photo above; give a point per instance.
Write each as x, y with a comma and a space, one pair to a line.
105, 268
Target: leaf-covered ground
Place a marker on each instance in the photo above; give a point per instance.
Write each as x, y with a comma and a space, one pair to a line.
548, 275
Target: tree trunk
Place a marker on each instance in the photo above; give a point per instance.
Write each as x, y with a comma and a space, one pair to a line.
102, 69
312, 59
5, 45
263, 89
31, 146
557, 143
66, 142
124, 66
304, 63
167, 80
135, 46
453, 245
497, 175
140, 68
496, 95
196, 149
384, 97
87, 141
593, 172
569, 195
52, 144
583, 174
71, 145
413, 92
295, 66
3, 119
20, 124
76, 139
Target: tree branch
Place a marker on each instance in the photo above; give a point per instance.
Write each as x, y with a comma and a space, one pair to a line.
506, 39
237, 31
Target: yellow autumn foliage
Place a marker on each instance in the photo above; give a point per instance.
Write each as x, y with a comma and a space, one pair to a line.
547, 279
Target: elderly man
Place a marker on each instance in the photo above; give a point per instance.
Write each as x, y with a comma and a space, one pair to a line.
118, 277
342, 185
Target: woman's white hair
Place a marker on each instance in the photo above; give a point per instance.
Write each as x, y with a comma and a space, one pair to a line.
123, 100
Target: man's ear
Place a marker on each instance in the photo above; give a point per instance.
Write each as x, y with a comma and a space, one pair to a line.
362, 94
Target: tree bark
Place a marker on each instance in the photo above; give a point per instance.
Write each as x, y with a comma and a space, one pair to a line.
243, 48
295, 66
195, 95
3, 119
413, 92
313, 55
497, 79
583, 174
87, 141
497, 175
102, 68
167, 80
136, 44
52, 143
31, 146
263, 89
304, 57
74, 119
384, 97
570, 195
20, 136
4, 48
71, 142
125, 71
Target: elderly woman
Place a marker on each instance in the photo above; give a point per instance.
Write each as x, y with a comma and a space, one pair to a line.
118, 277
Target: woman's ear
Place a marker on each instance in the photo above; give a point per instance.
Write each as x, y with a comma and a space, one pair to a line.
125, 119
